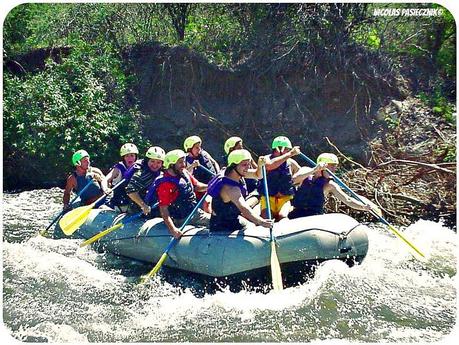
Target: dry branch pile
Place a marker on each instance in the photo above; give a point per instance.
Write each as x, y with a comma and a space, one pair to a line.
408, 176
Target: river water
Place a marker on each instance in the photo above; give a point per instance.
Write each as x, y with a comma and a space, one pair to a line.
54, 291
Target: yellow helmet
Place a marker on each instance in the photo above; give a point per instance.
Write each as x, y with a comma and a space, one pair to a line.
230, 143
328, 158
237, 156
127, 149
155, 152
172, 157
190, 142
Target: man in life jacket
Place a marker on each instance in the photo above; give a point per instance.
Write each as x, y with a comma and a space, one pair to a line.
84, 173
228, 191
279, 170
253, 196
315, 184
176, 194
137, 187
124, 169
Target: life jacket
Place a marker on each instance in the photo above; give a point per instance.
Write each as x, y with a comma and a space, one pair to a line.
120, 197
310, 195
151, 197
279, 181
186, 199
93, 191
200, 174
224, 214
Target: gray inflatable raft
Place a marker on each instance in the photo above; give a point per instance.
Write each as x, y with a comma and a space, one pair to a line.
300, 242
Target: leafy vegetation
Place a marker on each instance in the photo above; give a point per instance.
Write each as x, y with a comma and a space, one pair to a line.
86, 100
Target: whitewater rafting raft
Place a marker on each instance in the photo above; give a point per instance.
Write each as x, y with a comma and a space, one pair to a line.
302, 243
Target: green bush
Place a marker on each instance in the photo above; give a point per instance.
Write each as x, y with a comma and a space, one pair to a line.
78, 104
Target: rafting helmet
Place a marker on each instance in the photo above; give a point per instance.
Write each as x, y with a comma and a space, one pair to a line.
281, 141
172, 157
230, 143
190, 142
78, 156
155, 152
237, 156
328, 158
127, 149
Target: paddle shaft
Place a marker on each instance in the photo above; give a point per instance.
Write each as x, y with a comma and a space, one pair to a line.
70, 203
72, 220
268, 206
276, 272
172, 242
380, 218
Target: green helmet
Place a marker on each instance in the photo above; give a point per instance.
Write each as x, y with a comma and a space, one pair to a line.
230, 143
155, 152
78, 156
281, 141
237, 156
190, 142
127, 149
328, 158
172, 157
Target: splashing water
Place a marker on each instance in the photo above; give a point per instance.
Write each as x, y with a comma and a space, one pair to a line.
55, 291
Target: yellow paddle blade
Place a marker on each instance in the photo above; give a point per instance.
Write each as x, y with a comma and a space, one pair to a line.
412, 246
275, 269
101, 234
155, 269
72, 220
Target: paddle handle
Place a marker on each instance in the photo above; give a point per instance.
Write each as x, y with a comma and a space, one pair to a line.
107, 194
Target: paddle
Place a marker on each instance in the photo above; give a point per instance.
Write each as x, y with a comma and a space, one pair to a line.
72, 220
114, 227
206, 170
74, 200
381, 219
275, 266
171, 244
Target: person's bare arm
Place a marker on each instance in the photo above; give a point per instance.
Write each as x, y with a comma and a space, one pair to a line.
164, 211
69, 186
134, 196
235, 196
334, 189
276, 162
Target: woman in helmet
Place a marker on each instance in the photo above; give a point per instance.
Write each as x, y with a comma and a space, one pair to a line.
84, 173
279, 170
176, 194
143, 178
228, 191
315, 184
194, 151
121, 170
253, 196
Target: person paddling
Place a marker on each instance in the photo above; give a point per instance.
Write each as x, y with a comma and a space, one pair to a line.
315, 184
194, 151
176, 194
228, 191
84, 173
124, 169
253, 196
143, 178
280, 168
